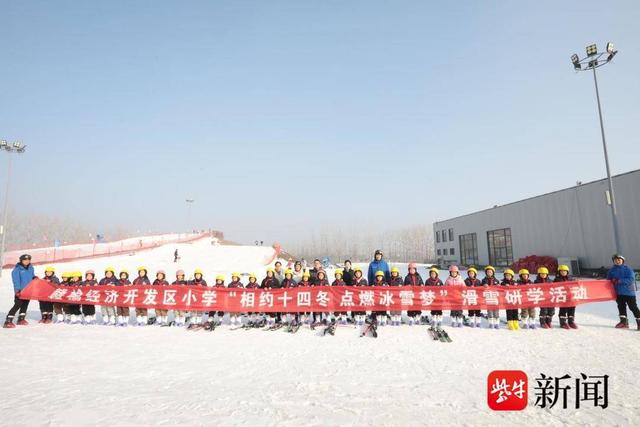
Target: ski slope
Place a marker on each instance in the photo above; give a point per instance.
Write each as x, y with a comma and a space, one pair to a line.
95, 375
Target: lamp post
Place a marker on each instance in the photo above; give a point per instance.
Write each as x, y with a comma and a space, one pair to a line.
17, 148
592, 61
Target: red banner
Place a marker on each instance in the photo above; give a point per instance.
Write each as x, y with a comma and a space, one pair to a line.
327, 298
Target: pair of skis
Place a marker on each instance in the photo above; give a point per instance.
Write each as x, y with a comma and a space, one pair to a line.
371, 328
439, 334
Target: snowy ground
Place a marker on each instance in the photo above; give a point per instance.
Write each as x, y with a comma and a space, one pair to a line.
95, 375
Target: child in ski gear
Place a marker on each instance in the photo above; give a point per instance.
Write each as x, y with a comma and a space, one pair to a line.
321, 280
454, 279
198, 280
60, 309
75, 309
490, 280
270, 282
161, 314
512, 314
475, 316
396, 316
306, 282
216, 317
358, 280
89, 310
380, 316
108, 312
378, 264
434, 280
288, 282
546, 313
623, 279
235, 282
179, 316
567, 314
527, 315
339, 281
253, 284
21, 275
46, 307
123, 312
142, 279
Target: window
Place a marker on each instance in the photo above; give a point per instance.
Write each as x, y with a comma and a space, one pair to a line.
437, 237
500, 248
439, 252
468, 249
444, 235
444, 252
452, 251
451, 234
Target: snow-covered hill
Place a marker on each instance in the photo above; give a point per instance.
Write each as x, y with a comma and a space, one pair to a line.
96, 375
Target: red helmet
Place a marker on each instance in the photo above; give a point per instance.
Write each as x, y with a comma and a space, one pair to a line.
162, 272
86, 273
453, 268
179, 273
413, 265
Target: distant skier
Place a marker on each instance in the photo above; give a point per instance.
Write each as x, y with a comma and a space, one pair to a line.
623, 280
21, 276
378, 264
176, 257
567, 314
454, 279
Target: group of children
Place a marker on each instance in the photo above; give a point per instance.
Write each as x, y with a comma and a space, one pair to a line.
289, 278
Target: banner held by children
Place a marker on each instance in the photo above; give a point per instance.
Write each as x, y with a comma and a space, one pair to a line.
327, 298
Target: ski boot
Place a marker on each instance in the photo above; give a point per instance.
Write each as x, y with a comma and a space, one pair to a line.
623, 324
638, 322
543, 322
22, 321
563, 323
8, 323
572, 323
43, 319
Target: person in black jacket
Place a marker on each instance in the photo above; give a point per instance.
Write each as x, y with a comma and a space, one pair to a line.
347, 273
546, 313
108, 312
567, 314
46, 307
475, 316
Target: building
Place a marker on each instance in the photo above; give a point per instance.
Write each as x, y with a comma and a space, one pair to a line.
574, 222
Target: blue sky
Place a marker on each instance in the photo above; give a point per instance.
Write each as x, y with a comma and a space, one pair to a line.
280, 116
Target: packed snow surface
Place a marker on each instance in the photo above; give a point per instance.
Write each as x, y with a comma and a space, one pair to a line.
99, 375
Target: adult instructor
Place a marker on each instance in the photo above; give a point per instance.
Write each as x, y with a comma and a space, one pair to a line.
378, 264
21, 275
624, 282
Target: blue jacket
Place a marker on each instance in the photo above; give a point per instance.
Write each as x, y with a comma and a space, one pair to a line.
21, 276
623, 279
378, 266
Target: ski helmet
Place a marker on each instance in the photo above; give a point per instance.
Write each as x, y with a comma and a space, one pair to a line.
618, 256
454, 268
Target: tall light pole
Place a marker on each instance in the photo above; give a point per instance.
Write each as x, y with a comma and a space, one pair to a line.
592, 61
17, 148
189, 203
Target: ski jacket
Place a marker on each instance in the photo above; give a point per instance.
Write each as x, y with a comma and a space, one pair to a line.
378, 266
524, 282
235, 284
541, 280
490, 281
472, 282
108, 281
347, 276
623, 280
380, 283
396, 281
413, 280
252, 285
53, 279
434, 282
320, 282
359, 282
159, 282
279, 275
304, 283
297, 276
92, 282
454, 281
219, 285
269, 282
560, 278
144, 280
22, 276
508, 282
180, 282
123, 282
195, 282
289, 283
314, 274
339, 282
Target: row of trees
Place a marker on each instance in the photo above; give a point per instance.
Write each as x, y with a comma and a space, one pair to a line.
414, 243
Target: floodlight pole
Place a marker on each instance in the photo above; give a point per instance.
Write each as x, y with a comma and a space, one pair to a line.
612, 204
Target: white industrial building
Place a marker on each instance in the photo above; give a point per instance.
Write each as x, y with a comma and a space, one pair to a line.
573, 223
